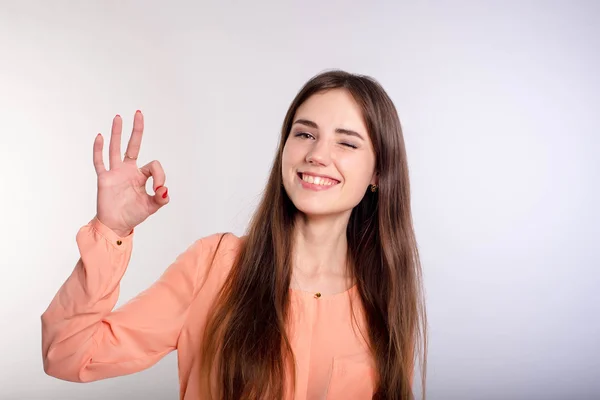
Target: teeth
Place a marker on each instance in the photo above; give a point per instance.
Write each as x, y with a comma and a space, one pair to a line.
317, 180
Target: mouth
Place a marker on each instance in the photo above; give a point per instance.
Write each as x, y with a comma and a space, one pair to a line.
317, 181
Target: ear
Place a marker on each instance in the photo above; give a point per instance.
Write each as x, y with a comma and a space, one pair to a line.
375, 178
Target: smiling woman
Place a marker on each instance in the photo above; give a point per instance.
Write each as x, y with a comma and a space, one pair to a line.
321, 299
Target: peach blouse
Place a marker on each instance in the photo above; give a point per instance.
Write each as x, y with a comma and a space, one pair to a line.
85, 339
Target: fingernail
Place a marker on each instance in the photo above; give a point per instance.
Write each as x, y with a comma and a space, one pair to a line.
138, 111
158, 187
118, 116
165, 195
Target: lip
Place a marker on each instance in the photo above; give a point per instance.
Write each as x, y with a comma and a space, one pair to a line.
312, 186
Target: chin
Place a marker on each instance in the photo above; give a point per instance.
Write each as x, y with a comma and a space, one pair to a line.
319, 204
319, 209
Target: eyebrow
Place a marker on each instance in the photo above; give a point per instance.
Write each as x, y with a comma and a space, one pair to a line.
343, 131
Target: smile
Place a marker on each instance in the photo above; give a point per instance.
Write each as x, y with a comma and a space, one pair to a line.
316, 182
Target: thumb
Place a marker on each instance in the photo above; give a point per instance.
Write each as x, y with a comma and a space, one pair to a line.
160, 198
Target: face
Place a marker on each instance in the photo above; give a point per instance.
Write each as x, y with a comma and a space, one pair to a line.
328, 159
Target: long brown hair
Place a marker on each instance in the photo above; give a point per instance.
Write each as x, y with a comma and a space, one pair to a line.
245, 334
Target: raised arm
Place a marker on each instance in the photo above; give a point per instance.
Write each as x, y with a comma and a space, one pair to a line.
84, 339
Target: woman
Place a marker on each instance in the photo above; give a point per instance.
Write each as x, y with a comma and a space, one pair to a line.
321, 299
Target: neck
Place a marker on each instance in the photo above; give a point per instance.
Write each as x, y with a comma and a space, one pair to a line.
320, 251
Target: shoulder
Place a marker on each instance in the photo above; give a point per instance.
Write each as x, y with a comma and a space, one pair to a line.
217, 245
213, 256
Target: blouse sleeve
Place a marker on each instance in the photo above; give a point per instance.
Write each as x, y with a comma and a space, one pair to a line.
84, 339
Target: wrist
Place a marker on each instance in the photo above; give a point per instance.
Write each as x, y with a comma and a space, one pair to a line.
122, 233
118, 231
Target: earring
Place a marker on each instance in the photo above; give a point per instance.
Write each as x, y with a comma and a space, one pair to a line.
373, 188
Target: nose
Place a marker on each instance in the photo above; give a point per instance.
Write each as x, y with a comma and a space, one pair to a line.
319, 154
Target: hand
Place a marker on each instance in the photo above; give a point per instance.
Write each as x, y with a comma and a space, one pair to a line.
122, 201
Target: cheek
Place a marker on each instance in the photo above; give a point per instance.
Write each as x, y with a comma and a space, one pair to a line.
285, 154
357, 172
287, 160
292, 154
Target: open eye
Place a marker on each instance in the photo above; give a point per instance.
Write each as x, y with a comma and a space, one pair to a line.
304, 135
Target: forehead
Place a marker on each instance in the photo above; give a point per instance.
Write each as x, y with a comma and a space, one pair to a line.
335, 108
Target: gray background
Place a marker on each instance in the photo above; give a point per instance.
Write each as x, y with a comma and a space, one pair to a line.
500, 107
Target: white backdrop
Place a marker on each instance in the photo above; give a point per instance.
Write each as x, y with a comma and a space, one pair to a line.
500, 106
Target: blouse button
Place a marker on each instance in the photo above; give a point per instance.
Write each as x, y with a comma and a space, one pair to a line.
119, 242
